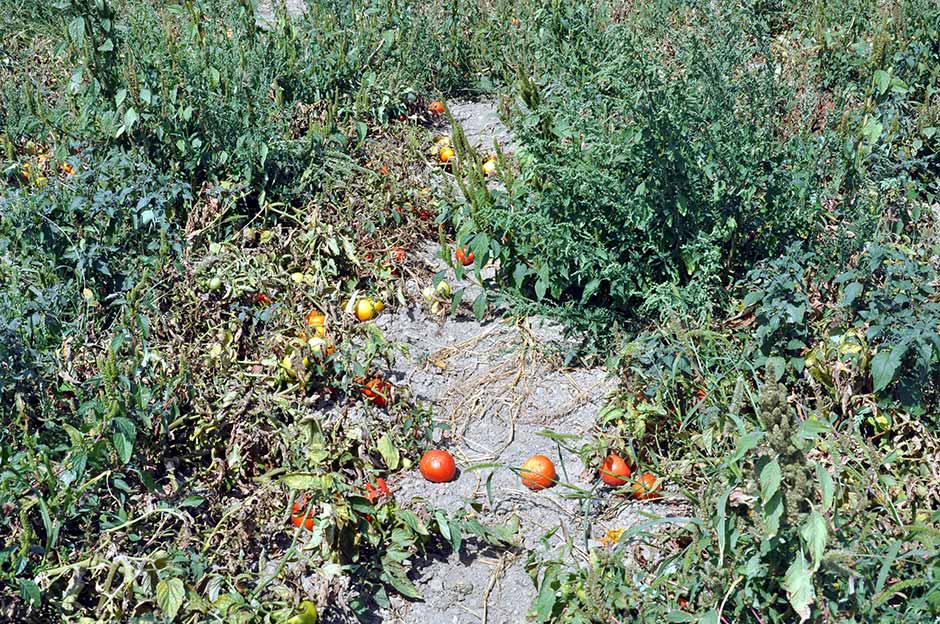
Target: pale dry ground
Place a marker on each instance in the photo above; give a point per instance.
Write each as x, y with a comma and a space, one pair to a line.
497, 387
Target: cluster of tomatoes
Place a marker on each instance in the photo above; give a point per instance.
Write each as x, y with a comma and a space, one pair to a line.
538, 472
616, 472
35, 172
446, 153
301, 513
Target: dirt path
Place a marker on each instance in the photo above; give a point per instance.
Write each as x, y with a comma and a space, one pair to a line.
482, 125
497, 388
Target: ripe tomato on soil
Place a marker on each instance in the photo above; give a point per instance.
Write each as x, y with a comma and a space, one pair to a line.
463, 257
436, 108
299, 514
437, 466
645, 487
538, 473
376, 391
615, 470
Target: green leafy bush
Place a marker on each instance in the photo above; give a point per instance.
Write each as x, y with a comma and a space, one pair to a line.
644, 167
776, 537
877, 320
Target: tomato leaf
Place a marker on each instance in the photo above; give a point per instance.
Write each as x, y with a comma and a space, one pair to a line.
301, 481
884, 365
394, 574
412, 521
389, 452
170, 594
479, 305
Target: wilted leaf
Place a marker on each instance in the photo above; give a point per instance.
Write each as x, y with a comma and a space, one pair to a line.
798, 584
815, 534
301, 481
389, 452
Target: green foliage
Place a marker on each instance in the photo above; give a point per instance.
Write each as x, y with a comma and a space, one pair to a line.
645, 175
182, 183
778, 537
875, 322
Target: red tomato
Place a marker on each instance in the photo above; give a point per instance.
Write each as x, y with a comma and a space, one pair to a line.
646, 487
463, 257
373, 493
377, 391
299, 515
614, 471
438, 466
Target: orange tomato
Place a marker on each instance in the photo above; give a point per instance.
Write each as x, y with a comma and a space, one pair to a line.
436, 108
437, 466
315, 318
299, 514
445, 154
398, 255
464, 257
614, 470
377, 391
646, 487
538, 473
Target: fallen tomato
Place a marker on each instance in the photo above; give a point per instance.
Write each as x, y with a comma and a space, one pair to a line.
646, 487
437, 466
538, 473
614, 470
464, 257
377, 391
